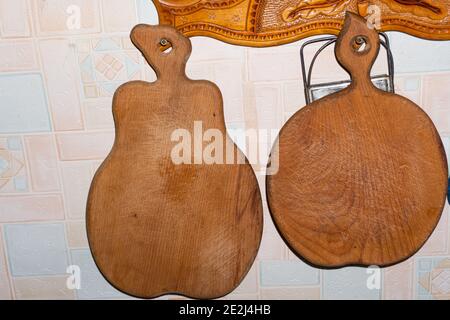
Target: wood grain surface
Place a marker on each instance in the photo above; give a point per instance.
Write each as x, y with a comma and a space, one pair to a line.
362, 173
155, 227
262, 23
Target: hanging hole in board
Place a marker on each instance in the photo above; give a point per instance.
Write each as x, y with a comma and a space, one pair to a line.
360, 44
165, 46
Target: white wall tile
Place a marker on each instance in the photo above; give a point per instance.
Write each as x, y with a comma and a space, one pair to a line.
5, 289
14, 18
59, 64
43, 288
53, 17
77, 176
41, 153
118, 15
412, 54
18, 55
31, 208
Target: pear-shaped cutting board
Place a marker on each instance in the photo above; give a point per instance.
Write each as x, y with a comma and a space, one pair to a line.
362, 173
160, 221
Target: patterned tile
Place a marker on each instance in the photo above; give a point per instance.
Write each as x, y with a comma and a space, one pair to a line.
31, 208
77, 177
398, 281
409, 87
76, 234
433, 278
60, 66
427, 56
41, 152
5, 289
23, 112
118, 15
236, 131
146, 12
272, 245
288, 273
228, 77
67, 16
84, 146
240, 297
293, 96
305, 293
267, 64
105, 64
43, 288
436, 97
98, 114
446, 142
36, 249
18, 55
437, 242
217, 51
348, 283
14, 18
268, 101
200, 70
250, 284
13, 173
93, 285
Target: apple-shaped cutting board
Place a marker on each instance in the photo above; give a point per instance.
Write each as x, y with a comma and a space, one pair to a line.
362, 173
157, 227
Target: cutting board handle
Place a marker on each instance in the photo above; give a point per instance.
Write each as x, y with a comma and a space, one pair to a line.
357, 48
165, 49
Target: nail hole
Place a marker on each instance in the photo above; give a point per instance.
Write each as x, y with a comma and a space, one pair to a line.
360, 44
165, 46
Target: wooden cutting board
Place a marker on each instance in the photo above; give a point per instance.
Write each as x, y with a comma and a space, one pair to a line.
362, 173
156, 227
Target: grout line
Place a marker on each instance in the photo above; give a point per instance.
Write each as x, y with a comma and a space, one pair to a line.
60, 178
40, 62
31, 15
136, 12
27, 164
415, 279
79, 85
28, 222
101, 19
7, 264
31, 193
421, 89
321, 284
69, 254
56, 133
258, 276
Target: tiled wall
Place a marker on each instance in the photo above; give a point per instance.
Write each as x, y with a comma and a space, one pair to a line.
56, 127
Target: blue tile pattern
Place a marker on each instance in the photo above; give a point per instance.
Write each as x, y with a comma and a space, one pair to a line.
348, 283
93, 285
36, 249
288, 273
23, 104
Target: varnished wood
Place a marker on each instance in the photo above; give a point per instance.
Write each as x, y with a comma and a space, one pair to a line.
155, 227
262, 23
362, 173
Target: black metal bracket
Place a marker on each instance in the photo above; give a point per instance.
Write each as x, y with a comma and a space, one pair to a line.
331, 40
